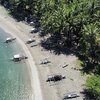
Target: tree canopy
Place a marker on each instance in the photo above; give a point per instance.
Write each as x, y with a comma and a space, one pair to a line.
93, 85
71, 24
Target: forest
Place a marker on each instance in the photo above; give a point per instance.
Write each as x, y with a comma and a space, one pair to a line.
70, 25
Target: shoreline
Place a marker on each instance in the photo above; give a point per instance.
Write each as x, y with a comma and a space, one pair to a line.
17, 74
36, 89
74, 80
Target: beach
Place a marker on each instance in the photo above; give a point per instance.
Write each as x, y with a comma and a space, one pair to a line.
10, 29
41, 89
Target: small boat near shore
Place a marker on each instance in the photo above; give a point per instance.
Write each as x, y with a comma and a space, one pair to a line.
9, 39
30, 41
34, 30
18, 57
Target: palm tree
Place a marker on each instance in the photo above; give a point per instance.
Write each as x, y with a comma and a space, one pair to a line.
89, 40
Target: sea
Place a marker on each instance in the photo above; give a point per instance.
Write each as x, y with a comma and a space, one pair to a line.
15, 83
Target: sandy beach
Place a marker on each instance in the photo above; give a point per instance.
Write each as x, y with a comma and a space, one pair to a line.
43, 90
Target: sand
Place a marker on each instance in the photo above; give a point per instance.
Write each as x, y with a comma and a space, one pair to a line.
43, 90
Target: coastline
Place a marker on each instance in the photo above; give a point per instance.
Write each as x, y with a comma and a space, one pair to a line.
15, 81
10, 29
74, 81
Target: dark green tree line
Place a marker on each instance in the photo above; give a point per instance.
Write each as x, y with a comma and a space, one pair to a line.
72, 24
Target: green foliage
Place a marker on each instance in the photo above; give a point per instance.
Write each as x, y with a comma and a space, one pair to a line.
73, 24
93, 86
89, 41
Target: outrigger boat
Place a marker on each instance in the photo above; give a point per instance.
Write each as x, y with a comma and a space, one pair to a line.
18, 57
9, 39
30, 41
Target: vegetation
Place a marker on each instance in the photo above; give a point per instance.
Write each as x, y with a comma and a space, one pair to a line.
71, 24
93, 85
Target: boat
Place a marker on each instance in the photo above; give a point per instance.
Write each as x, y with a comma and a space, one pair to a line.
34, 30
9, 39
18, 57
30, 41
71, 95
32, 23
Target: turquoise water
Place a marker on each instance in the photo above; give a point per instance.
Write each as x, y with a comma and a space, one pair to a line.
14, 77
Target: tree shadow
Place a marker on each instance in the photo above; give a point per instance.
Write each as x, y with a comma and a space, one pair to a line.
18, 11
87, 66
53, 44
58, 46
87, 95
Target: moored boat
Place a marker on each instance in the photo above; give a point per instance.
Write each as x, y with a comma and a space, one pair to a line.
9, 39
18, 57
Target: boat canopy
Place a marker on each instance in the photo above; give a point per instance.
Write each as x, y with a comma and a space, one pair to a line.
32, 29
8, 38
17, 56
30, 39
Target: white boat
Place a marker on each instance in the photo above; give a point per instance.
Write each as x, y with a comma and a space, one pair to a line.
71, 95
32, 30
34, 44
18, 57
9, 39
30, 41
31, 23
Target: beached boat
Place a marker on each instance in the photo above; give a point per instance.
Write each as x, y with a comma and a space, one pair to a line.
30, 41
32, 23
34, 30
9, 40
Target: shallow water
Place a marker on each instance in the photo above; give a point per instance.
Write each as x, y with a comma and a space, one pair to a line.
14, 77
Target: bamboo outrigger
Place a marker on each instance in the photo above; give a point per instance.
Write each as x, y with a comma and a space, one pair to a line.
9, 39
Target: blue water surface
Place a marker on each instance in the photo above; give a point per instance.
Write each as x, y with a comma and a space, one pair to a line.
14, 77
